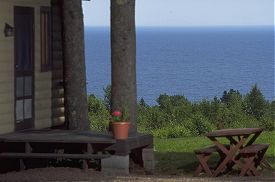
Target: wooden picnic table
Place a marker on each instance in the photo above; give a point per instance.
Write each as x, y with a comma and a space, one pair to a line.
239, 139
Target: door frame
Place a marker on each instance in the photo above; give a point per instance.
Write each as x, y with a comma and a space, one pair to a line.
31, 10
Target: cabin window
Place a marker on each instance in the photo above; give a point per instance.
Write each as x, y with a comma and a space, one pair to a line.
45, 29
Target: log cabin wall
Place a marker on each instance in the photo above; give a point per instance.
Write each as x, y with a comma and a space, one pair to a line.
42, 80
58, 117
6, 70
42, 84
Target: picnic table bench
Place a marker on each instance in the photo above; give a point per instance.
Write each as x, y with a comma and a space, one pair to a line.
203, 155
241, 147
253, 156
209, 150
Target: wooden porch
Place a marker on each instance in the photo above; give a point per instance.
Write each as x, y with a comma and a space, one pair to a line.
46, 144
56, 136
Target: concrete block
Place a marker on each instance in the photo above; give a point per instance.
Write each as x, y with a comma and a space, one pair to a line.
115, 164
149, 165
148, 154
148, 158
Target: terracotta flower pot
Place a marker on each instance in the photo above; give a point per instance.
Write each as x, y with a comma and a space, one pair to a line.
120, 130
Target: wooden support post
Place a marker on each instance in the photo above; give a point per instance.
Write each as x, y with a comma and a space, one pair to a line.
28, 148
85, 165
22, 164
89, 148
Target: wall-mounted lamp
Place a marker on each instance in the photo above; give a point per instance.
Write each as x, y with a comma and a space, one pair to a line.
8, 30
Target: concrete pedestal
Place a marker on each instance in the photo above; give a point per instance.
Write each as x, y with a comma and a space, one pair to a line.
148, 158
115, 165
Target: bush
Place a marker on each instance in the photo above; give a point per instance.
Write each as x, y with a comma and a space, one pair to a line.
153, 118
98, 114
201, 124
172, 132
107, 96
267, 123
99, 123
175, 116
244, 122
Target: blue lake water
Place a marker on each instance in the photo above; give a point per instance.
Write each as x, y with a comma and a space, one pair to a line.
197, 62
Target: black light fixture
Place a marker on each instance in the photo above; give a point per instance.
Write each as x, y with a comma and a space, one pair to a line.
8, 30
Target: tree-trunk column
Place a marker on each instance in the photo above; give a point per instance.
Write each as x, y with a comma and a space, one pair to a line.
123, 55
76, 110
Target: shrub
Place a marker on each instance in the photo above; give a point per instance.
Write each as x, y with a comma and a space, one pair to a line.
98, 114
243, 121
267, 123
107, 96
201, 124
177, 131
99, 122
175, 116
157, 118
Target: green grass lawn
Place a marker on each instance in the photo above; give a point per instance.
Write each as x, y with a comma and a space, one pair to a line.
176, 156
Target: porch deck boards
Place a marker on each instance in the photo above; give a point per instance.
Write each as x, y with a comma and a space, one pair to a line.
58, 136
103, 141
34, 145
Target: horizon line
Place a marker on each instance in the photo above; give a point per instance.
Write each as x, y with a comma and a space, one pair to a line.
185, 26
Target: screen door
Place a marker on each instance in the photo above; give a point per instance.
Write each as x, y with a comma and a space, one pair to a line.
24, 56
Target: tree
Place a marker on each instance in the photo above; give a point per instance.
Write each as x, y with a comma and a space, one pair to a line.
107, 96
142, 102
215, 106
227, 96
164, 101
123, 58
272, 107
76, 111
256, 104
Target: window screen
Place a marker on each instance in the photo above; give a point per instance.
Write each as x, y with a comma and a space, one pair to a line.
46, 39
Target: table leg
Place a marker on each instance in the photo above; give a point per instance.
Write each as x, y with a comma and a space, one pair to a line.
259, 159
249, 167
232, 140
200, 167
235, 160
203, 165
229, 154
265, 164
248, 162
252, 140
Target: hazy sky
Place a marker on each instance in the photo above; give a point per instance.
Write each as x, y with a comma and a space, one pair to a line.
187, 12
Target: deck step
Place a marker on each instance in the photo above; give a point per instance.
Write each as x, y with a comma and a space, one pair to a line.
54, 155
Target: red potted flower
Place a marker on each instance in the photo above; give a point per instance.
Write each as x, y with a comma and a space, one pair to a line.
120, 125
